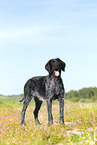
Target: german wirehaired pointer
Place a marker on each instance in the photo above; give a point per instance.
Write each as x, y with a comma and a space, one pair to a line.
46, 88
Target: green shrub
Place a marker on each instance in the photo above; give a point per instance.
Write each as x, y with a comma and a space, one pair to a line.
75, 99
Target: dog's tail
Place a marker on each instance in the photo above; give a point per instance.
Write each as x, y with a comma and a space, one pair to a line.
21, 100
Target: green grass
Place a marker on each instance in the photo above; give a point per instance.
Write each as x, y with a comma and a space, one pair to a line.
80, 124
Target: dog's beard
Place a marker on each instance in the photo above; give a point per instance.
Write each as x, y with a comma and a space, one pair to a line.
56, 73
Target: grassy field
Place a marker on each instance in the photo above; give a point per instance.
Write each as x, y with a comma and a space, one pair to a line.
80, 124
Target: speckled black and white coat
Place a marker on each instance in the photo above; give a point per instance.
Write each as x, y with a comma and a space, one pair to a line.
45, 88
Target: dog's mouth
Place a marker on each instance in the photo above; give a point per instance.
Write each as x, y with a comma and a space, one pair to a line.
56, 73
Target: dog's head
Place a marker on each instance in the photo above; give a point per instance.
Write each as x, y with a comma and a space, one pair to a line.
54, 66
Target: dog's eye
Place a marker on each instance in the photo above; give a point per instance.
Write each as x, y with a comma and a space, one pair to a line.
53, 61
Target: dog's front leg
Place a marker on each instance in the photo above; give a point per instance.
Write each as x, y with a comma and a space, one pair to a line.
61, 110
49, 109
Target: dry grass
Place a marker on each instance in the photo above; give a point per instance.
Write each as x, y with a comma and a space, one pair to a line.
80, 125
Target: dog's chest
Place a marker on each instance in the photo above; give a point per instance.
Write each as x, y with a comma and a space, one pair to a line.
53, 86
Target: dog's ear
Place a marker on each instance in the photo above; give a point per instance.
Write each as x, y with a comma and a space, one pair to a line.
63, 64
47, 66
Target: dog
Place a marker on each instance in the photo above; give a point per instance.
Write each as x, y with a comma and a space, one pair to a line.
45, 88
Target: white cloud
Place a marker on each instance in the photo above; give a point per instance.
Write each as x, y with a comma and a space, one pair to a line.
17, 33
36, 34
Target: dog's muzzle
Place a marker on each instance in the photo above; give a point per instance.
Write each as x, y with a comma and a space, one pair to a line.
56, 73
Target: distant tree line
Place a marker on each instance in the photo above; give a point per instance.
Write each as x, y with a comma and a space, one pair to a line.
85, 93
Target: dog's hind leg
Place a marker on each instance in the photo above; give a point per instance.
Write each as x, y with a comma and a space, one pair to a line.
25, 105
38, 104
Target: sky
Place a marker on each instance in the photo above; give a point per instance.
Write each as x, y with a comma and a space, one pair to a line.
33, 32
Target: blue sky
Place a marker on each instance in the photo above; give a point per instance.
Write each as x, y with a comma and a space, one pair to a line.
32, 32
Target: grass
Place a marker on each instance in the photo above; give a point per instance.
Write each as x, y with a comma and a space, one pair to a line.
80, 124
